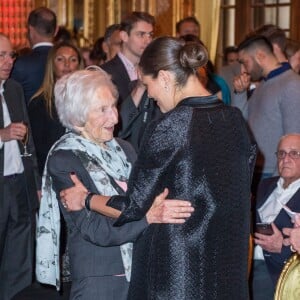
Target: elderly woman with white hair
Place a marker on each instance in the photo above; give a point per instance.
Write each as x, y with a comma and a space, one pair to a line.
100, 254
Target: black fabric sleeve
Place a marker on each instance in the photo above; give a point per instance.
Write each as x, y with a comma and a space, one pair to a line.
161, 146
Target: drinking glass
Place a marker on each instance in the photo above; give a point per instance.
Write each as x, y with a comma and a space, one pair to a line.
24, 142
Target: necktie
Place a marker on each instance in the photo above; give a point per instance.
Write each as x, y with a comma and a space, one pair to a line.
1, 112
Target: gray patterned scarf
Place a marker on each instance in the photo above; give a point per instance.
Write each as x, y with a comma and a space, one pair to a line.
100, 163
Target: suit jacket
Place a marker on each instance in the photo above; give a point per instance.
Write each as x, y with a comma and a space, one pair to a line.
93, 241
46, 130
119, 76
132, 120
29, 70
135, 120
14, 98
276, 261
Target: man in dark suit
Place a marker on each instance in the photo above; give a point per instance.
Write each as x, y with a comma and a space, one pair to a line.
135, 108
29, 69
274, 195
18, 182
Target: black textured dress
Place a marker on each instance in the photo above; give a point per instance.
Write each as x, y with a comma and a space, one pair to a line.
202, 152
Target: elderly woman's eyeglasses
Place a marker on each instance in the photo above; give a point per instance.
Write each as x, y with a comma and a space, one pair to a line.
294, 154
4, 55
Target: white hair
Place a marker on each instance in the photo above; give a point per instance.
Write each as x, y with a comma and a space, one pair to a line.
74, 95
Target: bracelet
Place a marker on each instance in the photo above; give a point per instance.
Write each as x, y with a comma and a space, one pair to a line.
87, 201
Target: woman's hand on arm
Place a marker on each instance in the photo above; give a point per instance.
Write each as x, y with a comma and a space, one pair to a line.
73, 199
161, 211
168, 211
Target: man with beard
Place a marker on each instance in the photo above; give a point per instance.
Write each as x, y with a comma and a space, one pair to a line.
273, 108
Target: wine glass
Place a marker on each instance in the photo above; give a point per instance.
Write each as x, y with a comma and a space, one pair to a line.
24, 142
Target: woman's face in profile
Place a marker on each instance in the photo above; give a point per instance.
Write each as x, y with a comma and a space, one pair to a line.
160, 90
65, 61
102, 116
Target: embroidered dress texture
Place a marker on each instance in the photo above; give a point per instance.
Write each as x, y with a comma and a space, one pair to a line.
100, 163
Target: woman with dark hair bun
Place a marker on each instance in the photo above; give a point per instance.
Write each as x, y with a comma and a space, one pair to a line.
201, 151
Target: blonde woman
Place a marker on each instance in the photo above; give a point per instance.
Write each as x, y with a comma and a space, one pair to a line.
63, 58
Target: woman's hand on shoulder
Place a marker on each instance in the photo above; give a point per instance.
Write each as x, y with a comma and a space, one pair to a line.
170, 211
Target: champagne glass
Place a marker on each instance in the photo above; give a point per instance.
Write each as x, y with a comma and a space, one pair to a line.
24, 142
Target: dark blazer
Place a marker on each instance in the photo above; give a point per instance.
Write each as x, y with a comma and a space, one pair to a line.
276, 261
46, 130
29, 70
132, 120
14, 98
94, 243
18, 207
119, 76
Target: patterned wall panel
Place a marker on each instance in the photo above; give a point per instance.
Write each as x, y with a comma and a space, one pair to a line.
164, 17
166, 12
13, 20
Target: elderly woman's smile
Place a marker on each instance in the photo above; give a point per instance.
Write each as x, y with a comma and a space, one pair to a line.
101, 117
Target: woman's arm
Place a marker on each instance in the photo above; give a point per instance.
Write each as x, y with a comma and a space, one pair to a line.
93, 227
74, 199
162, 210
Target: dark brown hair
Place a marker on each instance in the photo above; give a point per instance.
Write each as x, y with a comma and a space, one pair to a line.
256, 41
169, 54
136, 16
43, 20
190, 19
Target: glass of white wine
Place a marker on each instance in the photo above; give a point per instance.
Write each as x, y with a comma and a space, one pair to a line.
24, 142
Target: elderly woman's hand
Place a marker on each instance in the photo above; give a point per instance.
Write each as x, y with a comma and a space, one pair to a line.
270, 243
168, 211
73, 198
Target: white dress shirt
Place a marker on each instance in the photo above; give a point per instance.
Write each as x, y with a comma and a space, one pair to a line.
42, 44
129, 66
12, 157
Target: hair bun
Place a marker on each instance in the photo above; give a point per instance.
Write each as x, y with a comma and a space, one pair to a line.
193, 55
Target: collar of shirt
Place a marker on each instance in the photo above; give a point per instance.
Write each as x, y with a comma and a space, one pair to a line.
130, 68
284, 67
2, 87
42, 44
293, 187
